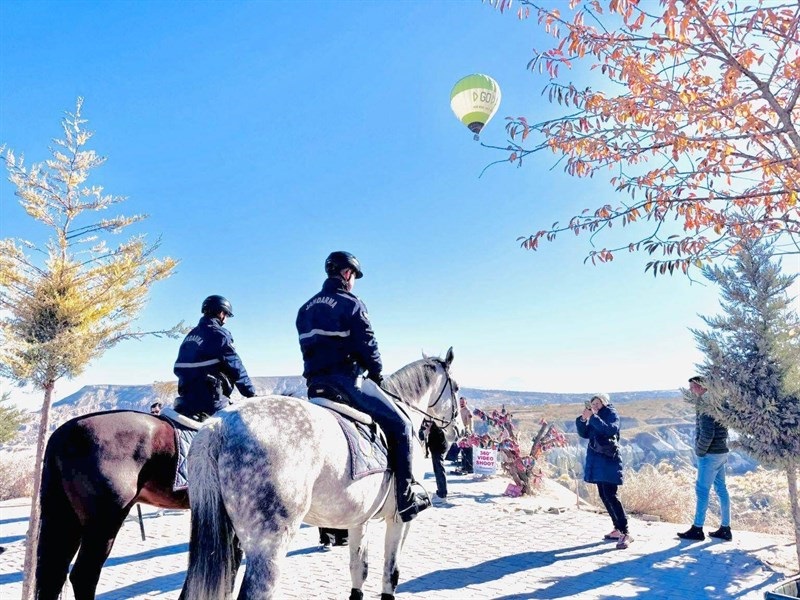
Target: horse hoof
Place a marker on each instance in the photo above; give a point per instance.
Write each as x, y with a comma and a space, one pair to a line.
387, 596
356, 594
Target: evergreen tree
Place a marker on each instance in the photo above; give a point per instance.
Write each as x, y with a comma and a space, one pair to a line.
63, 304
10, 420
752, 362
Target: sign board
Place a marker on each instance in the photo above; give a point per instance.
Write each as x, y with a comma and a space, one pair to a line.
484, 461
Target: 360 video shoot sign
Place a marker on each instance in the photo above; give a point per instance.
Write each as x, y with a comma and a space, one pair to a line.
484, 461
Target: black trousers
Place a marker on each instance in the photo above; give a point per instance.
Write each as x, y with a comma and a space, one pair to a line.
437, 459
335, 537
608, 494
394, 424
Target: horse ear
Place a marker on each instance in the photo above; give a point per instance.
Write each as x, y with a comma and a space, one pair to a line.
425, 356
449, 358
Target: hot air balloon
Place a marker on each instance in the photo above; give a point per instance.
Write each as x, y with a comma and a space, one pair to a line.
474, 100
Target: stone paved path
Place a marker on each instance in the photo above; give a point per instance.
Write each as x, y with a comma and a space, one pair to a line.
478, 545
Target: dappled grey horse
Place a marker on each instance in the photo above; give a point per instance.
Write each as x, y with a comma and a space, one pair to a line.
268, 464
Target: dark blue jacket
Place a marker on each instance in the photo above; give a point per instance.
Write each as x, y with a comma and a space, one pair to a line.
602, 430
336, 337
206, 354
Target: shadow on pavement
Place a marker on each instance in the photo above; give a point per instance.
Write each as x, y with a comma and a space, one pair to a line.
679, 571
491, 570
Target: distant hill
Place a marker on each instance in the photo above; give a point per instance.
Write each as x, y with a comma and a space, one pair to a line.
482, 398
656, 425
94, 398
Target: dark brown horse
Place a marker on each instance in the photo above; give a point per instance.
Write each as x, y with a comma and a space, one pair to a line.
96, 467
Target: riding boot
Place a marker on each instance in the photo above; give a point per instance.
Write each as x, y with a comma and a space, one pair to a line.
412, 500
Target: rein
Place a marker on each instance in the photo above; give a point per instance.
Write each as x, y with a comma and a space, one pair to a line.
444, 423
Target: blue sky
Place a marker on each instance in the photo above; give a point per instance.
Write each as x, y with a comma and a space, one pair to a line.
260, 136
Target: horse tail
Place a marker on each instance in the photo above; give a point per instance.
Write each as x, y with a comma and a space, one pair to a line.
213, 559
59, 525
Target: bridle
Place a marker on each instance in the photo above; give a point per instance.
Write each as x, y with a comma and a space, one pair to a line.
447, 382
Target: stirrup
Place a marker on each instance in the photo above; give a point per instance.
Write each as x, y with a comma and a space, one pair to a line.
416, 503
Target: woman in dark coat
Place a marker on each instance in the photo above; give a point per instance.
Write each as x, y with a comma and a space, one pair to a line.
599, 423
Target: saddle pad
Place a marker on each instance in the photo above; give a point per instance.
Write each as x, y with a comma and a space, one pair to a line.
368, 452
183, 439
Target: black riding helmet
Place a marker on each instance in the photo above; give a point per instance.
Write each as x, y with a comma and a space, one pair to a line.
213, 305
339, 260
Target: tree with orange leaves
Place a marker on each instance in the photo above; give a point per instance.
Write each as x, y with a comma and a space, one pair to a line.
698, 122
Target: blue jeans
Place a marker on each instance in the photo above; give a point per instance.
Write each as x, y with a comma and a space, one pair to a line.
711, 470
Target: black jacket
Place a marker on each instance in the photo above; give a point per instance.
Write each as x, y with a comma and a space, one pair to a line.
336, 337
204, 358
710, 436
436, 442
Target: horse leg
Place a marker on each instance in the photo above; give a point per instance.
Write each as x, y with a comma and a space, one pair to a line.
263, 567
59, 535
96, 544
396, 532
359, 559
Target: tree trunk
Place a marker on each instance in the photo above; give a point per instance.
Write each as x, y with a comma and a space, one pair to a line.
791, 477
32, 541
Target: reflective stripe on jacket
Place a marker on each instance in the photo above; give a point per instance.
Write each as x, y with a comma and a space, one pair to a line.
335, 334
208, 351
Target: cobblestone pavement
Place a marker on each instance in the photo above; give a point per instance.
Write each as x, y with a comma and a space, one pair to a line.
478, 544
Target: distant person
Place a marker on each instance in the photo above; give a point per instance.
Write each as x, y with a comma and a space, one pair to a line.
466, 415
329, 537
436, 444
155, 408
466, 419
599, 423
711, 448
338, 347
208, 366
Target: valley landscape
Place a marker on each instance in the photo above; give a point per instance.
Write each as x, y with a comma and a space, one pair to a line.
657, 441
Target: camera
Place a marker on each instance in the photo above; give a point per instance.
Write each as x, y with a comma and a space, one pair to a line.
588, 404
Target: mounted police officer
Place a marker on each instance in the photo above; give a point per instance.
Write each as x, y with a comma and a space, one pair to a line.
339, 346
208, 366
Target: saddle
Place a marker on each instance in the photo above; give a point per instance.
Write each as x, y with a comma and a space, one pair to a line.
185, 429
365, 439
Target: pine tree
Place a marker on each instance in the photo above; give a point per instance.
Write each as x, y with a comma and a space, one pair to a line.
10, 419
65, 303
752, 362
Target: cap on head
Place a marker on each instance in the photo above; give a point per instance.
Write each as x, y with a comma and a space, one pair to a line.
699, 380
604, 398
339, 260
213, 305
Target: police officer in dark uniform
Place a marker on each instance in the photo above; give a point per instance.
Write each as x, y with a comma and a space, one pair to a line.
339, 346
208, 366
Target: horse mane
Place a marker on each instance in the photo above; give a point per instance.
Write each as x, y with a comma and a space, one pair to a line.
412, 380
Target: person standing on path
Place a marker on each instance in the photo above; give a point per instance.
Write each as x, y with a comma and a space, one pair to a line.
711, 448
599, 423
436, 443
466, 418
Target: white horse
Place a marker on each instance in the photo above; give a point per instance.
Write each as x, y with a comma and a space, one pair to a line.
268, 464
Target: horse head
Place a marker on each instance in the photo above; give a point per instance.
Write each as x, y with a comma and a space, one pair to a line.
428, 387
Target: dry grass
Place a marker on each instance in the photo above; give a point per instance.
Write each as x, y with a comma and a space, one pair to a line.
759, 499
16, 475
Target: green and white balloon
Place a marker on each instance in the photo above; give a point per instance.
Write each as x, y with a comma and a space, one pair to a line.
474, 100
